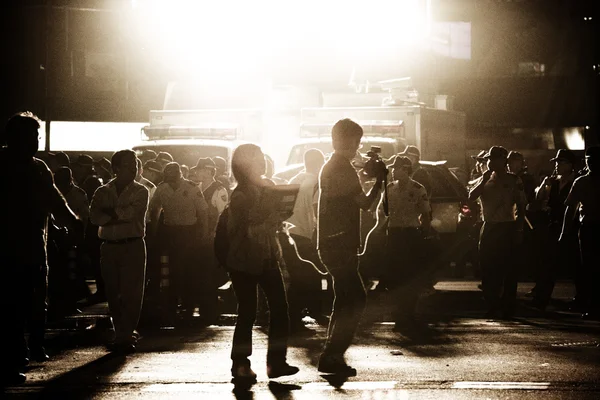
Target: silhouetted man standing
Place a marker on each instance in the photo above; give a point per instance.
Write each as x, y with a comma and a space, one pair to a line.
29, 197
340, 201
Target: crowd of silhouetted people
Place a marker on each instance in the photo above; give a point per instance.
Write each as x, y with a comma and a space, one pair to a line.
147, 231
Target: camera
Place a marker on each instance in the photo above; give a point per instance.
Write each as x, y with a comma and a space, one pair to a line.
375, 167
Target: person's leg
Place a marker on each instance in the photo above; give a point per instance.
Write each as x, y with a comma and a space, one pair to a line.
37, 321
206, 264
491, 276
349, 301
245, 288
271, 282
510, 268
110, 275
132, 275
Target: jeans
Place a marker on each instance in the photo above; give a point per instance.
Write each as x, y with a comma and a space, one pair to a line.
350, 298
245, 287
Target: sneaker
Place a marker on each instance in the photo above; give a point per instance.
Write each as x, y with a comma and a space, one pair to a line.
335, 364
12, 378
284, 369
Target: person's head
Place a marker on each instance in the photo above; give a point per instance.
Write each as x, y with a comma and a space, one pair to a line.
62, 159
63, 178
313, 160
496, 158
147, 155
345, 136
152, 171
564, 162
221, 165
172, 173
515, 161
22, 136
401, 168
124, 165
480, 162
248, 164
204, 171
163, 158
82, 168
592, 159
413, 153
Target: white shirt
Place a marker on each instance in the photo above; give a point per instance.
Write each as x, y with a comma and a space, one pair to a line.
219, 199
304, 219
181, 206
130, 206
406, 204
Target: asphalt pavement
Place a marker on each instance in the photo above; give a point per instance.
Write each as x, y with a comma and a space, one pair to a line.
452, 353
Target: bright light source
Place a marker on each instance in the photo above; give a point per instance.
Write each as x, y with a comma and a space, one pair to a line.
574, 139
232, 37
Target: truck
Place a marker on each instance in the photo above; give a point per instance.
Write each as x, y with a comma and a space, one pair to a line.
439, 134
190, 134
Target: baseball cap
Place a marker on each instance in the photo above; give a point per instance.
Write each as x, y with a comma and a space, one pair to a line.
496, 152
564, 155
411, 150
206, 163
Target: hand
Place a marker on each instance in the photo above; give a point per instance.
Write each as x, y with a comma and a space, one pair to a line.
561, 238
111, 212
548, 181
487, 175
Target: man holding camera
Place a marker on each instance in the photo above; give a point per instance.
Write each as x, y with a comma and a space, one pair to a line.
338, 241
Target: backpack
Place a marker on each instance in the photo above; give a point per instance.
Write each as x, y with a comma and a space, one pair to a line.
221, 242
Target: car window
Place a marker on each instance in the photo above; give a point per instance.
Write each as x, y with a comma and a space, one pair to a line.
187, 154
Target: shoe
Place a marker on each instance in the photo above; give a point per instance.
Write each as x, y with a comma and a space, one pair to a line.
277, 370
121, 348
302, 330
12, 378
335, 364
39, 354
243, 372
592, 316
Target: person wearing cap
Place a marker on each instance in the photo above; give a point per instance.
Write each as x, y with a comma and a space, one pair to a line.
119, 208
62, 159
152, 171
147, 155
222, 175
500, 193
103, 169
185, 227
216, 197
551, 195
480, 166
408, 223
419, 174
585, 197
29, 198
163, 158
516, 165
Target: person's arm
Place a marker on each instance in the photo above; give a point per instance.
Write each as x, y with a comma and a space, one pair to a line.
425, 210
476, 192
138, 206
521, 205
220, 200
98, 206
365, 201
201, 213
572, 203
154, 209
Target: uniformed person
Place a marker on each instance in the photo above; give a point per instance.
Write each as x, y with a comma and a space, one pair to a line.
585, 196
185, 227
141, 179
409, 222
501, 194
419, 174
211, 277
552, 194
